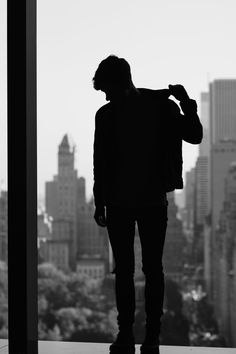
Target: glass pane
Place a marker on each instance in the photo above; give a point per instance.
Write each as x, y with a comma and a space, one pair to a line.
165, 43
3, 175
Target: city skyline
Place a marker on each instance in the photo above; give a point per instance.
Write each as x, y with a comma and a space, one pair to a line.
200, 252
89, 194
207, 220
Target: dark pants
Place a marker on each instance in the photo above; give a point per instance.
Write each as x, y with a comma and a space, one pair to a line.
152, 224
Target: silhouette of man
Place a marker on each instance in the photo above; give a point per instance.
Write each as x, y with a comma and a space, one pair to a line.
137, 160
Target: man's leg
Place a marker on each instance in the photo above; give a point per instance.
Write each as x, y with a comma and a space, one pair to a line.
152, 224
121, 231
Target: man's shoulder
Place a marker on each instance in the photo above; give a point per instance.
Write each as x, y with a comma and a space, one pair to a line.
162, 94
103, 110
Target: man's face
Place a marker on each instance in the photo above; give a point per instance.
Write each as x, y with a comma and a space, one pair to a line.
114, 92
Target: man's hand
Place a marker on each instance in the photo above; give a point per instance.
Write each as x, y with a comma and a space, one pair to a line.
179, 92
100, 217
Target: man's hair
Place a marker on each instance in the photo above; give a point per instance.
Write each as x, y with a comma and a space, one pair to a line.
112, 70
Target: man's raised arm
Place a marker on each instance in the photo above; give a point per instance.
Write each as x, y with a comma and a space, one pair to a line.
189, 125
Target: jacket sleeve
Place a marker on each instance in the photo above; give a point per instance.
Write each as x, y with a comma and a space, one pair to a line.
98, 162
188, 125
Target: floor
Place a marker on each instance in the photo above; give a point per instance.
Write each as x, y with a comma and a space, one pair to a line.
53, 347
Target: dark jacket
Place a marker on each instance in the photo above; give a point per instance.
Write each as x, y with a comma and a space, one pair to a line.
148, 130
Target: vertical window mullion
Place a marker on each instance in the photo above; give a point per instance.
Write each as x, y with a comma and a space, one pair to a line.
22, 178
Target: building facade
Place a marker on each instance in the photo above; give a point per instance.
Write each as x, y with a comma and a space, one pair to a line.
204, 147
190, 199
222, 114
222, 110
61, 204
225, 294
202, 189
173, 255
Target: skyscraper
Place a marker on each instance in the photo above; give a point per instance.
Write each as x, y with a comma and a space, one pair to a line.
222, 152
63, 195
204, 147
222, 110
202, 164
91, 239
189, 198
202, 189
226, 264
175, 243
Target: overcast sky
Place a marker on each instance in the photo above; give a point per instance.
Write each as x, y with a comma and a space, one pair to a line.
166, 42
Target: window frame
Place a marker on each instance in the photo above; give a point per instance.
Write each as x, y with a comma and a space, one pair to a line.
22, 177
22, 182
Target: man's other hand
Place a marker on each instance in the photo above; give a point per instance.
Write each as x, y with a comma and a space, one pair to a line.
100, 216
179, 92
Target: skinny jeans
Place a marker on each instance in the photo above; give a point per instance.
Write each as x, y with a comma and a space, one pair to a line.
152, 224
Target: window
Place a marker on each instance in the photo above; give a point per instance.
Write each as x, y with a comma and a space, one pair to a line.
158, 35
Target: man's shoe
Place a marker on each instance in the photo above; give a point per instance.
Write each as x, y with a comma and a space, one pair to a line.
149, 349
150, 344
124, 344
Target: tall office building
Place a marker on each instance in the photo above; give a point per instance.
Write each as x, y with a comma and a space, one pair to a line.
202, 164
226, 264
204, 147
173, 255
202, 189
222, 152
92, 240
66, 190
222, 110
63, 195
190, 198
138, 256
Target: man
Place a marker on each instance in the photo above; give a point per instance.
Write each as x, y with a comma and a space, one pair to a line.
137, 160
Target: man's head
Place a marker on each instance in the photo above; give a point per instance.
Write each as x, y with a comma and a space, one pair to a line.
113, 76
